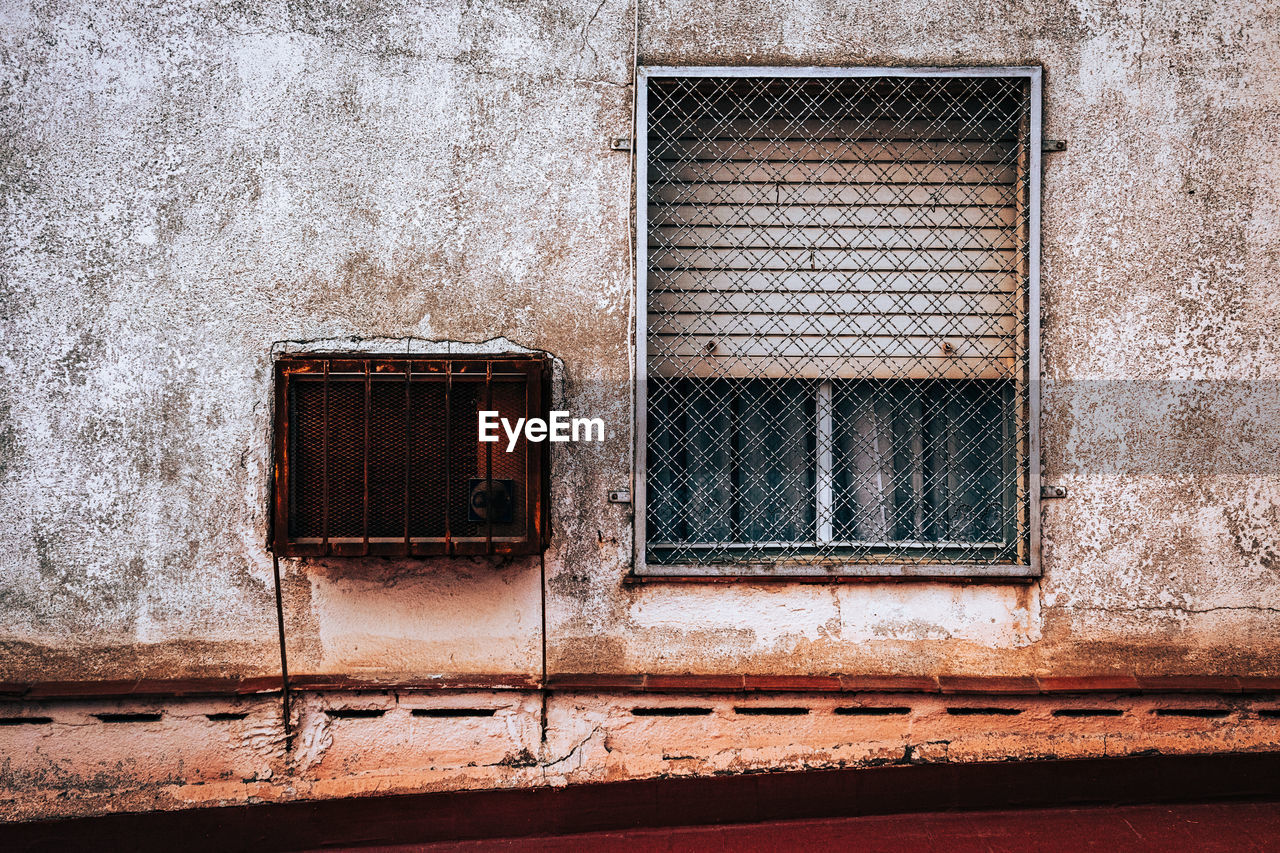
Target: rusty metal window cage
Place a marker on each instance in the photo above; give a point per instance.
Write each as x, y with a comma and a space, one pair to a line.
839, 274
380, 456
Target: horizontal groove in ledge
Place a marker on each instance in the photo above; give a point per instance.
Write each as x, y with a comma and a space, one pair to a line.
455, 682
770, 711
978, 711
129, 718
355, 713
1207, 713
25, 721
670, 711
143, 687
1088, 712
220, 716
873, 711
453, 712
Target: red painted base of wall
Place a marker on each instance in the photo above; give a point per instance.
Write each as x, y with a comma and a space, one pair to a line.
667, 803
1182, 827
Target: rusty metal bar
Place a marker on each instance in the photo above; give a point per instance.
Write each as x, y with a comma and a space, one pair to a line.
488, 463
280, 469
408, 433
324, 466
368, 392
448, 457
537, 490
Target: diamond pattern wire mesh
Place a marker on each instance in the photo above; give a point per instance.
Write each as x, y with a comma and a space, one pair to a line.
836, 353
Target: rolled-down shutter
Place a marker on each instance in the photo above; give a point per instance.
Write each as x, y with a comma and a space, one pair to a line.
865, 227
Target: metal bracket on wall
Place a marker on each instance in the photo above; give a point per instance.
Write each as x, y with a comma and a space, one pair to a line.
620, 143
1048, 492
1050, 145
619, 496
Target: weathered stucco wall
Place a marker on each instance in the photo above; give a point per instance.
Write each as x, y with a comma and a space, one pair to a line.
190, 184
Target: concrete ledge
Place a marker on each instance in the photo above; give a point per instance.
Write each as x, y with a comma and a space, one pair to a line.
651, 683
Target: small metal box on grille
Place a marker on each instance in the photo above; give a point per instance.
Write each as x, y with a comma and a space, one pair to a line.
839, 275
381, 455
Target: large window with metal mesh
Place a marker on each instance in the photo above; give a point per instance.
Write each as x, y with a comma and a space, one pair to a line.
838, 274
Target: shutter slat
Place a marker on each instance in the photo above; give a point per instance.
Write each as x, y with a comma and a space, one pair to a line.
807, 195
775, 366
836, 260
835, 302
678, 130
717, 171
827, 281
816, 345
765, 324
847, 216
834, 237
804, 150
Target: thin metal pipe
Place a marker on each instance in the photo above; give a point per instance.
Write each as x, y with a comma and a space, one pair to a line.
284, 658
542, 613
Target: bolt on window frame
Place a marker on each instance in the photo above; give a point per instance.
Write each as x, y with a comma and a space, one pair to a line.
1030, 465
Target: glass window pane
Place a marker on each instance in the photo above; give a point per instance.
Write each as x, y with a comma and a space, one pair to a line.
730, 462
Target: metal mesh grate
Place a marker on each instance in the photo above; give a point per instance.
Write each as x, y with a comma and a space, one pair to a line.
836, 357
428, 490
381, 456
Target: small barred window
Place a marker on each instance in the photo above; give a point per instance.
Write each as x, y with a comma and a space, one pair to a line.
381, 455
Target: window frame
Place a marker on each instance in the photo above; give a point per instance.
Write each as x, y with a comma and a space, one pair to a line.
954, 571
530, 371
